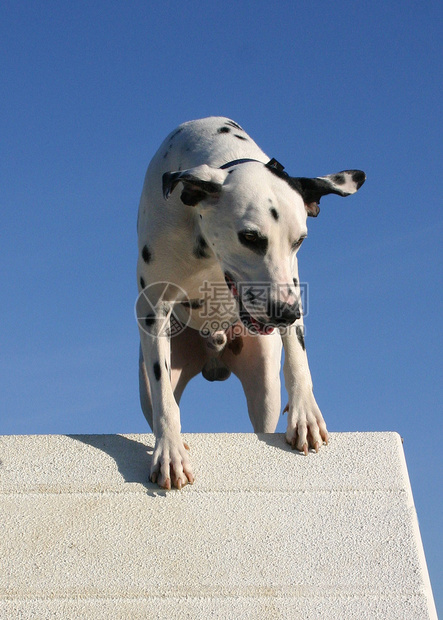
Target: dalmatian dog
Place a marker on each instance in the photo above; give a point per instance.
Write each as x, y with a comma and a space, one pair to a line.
219, 229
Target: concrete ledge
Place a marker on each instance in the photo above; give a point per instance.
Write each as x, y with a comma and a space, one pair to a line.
263, 532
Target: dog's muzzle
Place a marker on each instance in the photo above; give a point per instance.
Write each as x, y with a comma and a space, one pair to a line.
282, 314
278, 313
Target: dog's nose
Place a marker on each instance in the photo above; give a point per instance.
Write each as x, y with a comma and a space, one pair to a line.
282, 313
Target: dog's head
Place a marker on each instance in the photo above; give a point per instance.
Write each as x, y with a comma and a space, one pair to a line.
253, 216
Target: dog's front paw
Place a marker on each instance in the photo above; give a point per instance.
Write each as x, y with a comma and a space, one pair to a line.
170, 463
306, 427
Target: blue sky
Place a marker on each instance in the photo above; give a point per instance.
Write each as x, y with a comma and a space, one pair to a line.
90, 89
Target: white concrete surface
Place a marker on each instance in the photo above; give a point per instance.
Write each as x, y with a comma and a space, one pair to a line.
263, 533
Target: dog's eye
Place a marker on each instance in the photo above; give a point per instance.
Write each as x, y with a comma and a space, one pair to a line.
254, 241
298, 243
250, 236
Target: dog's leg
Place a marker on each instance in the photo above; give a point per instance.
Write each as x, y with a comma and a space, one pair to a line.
170, 461
188, 356
306, 427
255, 360
145, 390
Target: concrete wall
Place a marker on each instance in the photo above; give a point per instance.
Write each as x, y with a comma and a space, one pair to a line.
263, 533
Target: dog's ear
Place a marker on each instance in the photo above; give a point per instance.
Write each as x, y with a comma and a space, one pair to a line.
198, 183
342, 183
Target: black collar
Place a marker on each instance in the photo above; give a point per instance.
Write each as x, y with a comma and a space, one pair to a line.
272, 163
238, 161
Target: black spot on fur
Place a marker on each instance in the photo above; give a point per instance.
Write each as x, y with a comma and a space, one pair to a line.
157, 371
239, 137
358, 177
142, 283
295, 282
274, 213
150, 320
339, 179
201, 248
194, 304
170, 144
232, 124
223, 130
146, 254
176, 133
300, 336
